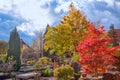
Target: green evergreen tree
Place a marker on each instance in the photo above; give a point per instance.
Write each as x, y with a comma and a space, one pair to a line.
14, 48
113, 34
114, 43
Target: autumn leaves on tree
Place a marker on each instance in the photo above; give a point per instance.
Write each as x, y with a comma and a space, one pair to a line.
63, 38
95, 55
75, 35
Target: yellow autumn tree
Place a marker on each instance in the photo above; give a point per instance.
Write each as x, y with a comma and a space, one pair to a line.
63, 38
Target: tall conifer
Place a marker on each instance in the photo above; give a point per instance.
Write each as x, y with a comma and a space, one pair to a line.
14, 48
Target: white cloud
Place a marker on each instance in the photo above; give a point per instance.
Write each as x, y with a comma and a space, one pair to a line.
117, 4
36, 16
27, 26
109, 2
107, 13
38, 13
64, 6
6, 5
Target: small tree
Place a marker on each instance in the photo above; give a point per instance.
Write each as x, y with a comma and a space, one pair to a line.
63, 38
38, 43
95, 55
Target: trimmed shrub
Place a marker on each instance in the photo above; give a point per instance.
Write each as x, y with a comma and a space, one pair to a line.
64, 72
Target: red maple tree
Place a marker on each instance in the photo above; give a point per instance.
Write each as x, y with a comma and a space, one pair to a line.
95, 55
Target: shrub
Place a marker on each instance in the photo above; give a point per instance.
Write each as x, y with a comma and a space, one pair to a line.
3, 58
8, 66
46, 72
64, 72
31, 62
41, 63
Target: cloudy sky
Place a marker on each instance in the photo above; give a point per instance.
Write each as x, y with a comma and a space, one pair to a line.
29, 16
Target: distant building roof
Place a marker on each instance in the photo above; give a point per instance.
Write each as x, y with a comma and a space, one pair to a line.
118, 34
22, 43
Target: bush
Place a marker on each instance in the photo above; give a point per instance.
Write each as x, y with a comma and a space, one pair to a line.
8, 66
41, 63
30, 62
46, 73
64, 72
3, 58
